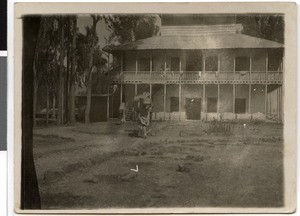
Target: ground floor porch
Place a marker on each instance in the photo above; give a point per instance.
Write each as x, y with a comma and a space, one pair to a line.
207, 101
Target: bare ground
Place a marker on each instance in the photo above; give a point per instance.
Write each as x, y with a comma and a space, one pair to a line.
181, 165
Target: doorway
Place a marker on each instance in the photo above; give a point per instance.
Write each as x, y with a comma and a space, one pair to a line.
193, 108
240, 105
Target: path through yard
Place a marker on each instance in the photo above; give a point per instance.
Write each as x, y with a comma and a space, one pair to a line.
181, 165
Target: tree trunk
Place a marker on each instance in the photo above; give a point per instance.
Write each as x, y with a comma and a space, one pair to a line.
89, 91
72, 77
67, 87
61, 81
67, 81
34, 95
53, 107
88, 101
90, 71
47, 106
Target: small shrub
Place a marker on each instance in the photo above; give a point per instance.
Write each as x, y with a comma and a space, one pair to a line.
219, 127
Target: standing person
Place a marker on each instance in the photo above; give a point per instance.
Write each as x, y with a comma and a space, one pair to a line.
144, 112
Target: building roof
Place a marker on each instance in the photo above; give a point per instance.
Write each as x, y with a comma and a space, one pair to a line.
186, 42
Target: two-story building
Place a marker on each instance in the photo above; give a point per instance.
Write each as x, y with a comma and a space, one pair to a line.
202, 67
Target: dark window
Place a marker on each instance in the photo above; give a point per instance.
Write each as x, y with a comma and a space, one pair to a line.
193, 61
211, 63
175, 61
275, 60
240, 105
242, 63
212, 105
144, 64
174, 105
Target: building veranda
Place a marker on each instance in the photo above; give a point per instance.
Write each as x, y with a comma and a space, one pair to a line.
208, 71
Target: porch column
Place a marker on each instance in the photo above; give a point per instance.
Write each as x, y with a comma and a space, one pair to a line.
150, 87
203, 62
267, 64
165, 92
233, 99
203, 86
135, 89
278, 103
234, 54
218, 101
219, 62
165, 64
203, 99
266, 97
250, 70
233, 86
180, 63
249, 103
179, 100
179, 89
151, 67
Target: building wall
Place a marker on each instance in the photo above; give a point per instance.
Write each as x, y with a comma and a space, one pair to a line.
274, 101
258, 99
257, 108
226, 102
129, 92
158, 98
190, 91
242, 91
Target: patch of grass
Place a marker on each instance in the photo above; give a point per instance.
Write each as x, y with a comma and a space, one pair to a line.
219, 127
56, 138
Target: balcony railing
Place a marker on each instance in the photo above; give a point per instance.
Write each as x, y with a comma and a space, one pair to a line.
161, 76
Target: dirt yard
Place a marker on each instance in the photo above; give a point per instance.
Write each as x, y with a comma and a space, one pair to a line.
187, 164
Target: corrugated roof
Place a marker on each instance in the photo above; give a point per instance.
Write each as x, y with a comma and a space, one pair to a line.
185, 42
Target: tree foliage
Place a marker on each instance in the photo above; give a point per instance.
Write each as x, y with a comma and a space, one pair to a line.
127, 28
269, 27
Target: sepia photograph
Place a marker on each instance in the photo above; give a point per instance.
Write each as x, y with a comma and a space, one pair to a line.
153, 110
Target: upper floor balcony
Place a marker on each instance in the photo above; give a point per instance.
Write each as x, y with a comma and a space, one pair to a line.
210, 77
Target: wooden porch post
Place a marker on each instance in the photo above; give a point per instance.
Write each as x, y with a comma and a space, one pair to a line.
136, 65
165, 62
267, 64
203, 86
280, 103
234, 55
218, 101
250, 70
249, 104
151, 67
266, 86
219, 62
165, 92
180, 88
203, 100
150, 87
233, 99
218, 96
233, 86
266, 97
179, 100
135, 89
